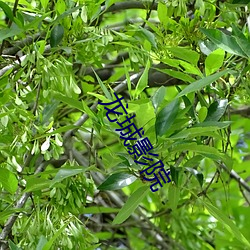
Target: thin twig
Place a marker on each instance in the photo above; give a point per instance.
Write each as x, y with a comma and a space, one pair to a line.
244, 195
235, 176
15, 7
148, 14
37, 97
204, 192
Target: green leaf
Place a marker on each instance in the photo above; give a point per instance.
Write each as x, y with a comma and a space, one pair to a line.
20, 20
108, 3
244, 45
49, 244
177, 74
9, 32
132, 203
202, 100
194, 161
117, 181
188, 105
147, 35
9, 211
216, 110
56, 35
66, 172
34, 183
219, 125
104, 89
8, 180
174, 63
41, 243
143, 81
197, 85
127, 77
175, 174
13, 246
166, 117
186, 54
189, 68
88, 111
173, 196
49, 110
202, 114
98, 210
158, 97
35, 20
60, 7
162, 12
204, 150
70, 101
56, 131
238, 33
198, 175
214, 61
7, 10
101, 97
193, 132
44, 3
223, 41
227, 223
241, 40
107, 236
207, 46
181, 146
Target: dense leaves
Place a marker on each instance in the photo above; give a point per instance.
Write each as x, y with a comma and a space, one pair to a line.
70, 178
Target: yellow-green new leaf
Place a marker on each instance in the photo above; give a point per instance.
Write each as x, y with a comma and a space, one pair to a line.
214, 61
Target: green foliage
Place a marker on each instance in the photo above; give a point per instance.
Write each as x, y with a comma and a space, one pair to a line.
232, 44
56, 35
117, 181
166, 117
67, 181
131, 204
8, 180
197, 85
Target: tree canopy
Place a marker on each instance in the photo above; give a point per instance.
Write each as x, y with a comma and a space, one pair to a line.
73, 164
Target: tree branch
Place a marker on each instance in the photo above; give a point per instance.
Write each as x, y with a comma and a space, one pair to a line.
236, 177
16, 63
243, 111
148, 14
21, 44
